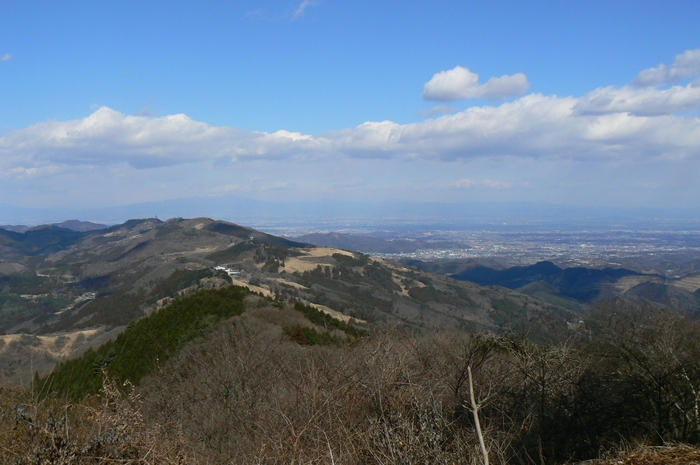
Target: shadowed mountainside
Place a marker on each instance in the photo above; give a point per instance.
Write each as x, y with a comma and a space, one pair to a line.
584, 284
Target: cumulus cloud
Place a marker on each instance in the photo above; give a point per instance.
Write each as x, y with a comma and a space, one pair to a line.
6, 57
108, 137
685, 65
533, 126
647, 101
460, 83
624, 124
581, 146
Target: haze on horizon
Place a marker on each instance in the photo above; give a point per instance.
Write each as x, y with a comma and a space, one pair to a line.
108, 104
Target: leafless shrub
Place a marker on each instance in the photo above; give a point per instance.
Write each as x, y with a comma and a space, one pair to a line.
247, 394
38, 432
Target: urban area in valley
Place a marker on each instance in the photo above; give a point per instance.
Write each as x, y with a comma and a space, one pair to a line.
673, 252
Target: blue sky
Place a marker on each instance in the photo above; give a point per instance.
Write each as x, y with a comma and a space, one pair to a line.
584, 103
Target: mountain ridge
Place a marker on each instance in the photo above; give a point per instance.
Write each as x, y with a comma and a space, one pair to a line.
73, 225
61, 281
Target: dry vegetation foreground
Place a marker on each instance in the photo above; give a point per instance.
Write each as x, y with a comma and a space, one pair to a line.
252, 389
679, 454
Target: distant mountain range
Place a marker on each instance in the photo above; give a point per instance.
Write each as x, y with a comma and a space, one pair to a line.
341, 214
73, 225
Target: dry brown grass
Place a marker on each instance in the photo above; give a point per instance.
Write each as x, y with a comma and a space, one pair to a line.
676, 454
107, 429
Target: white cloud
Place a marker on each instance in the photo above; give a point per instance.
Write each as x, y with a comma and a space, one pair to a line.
627, 125
647, 101
110, 137
685, 65
6, 57
303, 6
460, 83
597, 126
